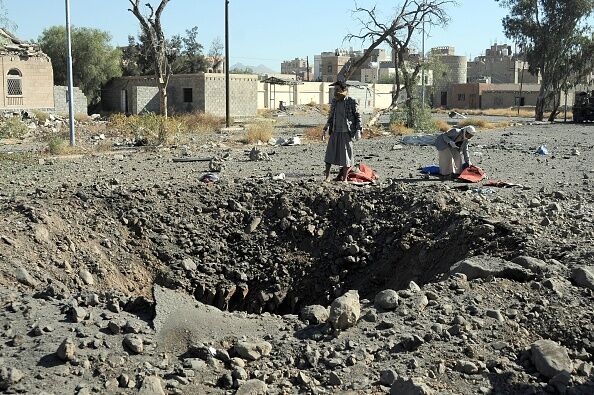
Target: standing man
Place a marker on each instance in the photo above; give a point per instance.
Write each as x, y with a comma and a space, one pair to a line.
343, 126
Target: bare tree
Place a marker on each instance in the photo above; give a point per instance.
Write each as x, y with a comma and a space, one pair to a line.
216, 52
5, 21
397, 33
151, 27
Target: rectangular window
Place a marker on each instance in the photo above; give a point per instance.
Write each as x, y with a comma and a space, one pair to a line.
461, 96
329, 68
14, 87
188, 96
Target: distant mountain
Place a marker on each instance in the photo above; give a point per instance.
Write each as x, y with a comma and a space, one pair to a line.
261, 69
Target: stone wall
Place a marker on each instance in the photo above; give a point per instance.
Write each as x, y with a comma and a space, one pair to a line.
61, 100
243, 95
37, 82
507, 98
144, 99
194, 100
370, 96
121, 94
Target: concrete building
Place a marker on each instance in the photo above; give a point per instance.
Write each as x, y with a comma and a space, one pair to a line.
500, 66
486, 96
387, 75
376, 74
298, 67
331, 66
28, 77
201, 92
215, 64
333, 62
317, 70
454, 72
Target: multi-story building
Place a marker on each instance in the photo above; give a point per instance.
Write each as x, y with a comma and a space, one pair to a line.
298, 67
333, 62
500, 65
454, 71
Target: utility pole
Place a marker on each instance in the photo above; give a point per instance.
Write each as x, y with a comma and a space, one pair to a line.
227, 82
70, 83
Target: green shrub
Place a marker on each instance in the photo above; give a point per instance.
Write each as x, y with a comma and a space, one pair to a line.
199, 122
57, 145
13, 128
259, 131
418, 117
155, 129
41, 116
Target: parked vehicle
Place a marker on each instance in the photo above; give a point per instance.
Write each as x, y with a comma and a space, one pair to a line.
583, 107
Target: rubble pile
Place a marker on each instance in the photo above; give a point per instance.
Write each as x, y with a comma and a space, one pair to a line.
260, 246
10, 45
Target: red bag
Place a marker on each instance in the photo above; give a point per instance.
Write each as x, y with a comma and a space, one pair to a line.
472, 174
365, 174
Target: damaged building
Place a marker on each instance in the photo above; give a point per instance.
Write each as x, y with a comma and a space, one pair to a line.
28, 79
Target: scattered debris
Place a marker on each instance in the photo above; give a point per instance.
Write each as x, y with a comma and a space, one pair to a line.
542, 150
258, 155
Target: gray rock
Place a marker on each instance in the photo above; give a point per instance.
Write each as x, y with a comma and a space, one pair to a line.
419, 302
254, 223
550, 358
583, 276
345, 311
133, 343
586, 369
9, 377
414, 287
66, 350
23, 276
239, 373
78, 314
412, 386
252, 387
533, 264
151, 385
388, 377
189, 265
386, 300
195, 364
483, 267
258, 155
253, 350
560, 382
334, 379
466, 367
315, 314
86, 277
495, 314
556, 284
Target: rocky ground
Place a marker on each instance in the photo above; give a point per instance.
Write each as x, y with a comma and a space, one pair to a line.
122, 272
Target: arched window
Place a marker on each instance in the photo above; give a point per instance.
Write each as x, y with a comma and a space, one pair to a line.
14, 85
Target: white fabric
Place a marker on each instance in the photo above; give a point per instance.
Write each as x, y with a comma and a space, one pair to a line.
450, 161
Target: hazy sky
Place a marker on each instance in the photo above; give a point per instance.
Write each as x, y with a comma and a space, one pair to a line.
262, 31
